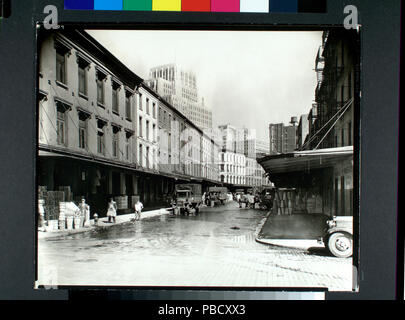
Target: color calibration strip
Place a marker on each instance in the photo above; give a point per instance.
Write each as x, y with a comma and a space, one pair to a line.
256, 6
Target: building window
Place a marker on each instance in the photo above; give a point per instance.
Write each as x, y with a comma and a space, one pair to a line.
83, 130
61, 65
115, 97
140, 101
128, 105
154, 133
128, 138
100, 137
147, 158
140, 161
83, 66
140, 127
100, 87
154, 110
61, 125
82, 80
147, 105
115, 141
147, 131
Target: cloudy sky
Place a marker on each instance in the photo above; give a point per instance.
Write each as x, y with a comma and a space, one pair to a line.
248, 78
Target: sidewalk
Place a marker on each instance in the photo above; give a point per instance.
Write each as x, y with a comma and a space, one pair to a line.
271, 234
102, 223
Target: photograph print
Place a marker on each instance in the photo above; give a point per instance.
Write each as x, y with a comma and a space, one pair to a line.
197, 158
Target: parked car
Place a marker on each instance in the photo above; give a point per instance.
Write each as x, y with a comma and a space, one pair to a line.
338, 237
335, 233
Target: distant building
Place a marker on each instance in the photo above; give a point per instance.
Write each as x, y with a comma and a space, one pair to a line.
233, 139
179, 88
302, 130
238, 165
249, 143
282, 138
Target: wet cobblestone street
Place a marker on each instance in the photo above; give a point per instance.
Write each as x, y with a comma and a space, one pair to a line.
215, 249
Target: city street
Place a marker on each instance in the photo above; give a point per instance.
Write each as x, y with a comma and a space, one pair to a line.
214, 249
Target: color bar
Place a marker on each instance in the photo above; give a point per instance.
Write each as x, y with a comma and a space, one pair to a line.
283, 6
107, 4
196, 5
79, 4
166, 5
137, 5
225, 6
254, 5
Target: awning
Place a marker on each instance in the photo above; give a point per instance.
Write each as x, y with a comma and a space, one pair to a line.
106, 162
305, 160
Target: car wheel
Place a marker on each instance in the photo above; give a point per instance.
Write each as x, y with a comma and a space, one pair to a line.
340, 244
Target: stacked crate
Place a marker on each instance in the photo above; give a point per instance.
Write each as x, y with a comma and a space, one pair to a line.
68, 218
51, 204
291, 201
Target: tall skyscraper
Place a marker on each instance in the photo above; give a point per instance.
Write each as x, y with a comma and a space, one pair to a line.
179, 88
282, 138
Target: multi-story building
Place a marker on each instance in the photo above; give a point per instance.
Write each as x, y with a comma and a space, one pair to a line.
100, 129
337, 66
336, 69
282, 138
249, 143
239, 166
233, 168
302, 130
179, 87
322, 174
233, 139
147, 121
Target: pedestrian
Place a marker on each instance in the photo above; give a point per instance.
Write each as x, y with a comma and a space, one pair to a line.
239, 200
112, 210
84, 213
138, 210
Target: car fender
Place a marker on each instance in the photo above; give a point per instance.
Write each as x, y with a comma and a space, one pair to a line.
337, 229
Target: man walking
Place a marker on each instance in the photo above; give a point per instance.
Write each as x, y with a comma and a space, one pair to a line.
138, 210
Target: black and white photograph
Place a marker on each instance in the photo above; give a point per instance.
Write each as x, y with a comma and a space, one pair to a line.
198, 158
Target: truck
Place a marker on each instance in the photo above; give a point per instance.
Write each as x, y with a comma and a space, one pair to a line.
218, 195
187, 198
